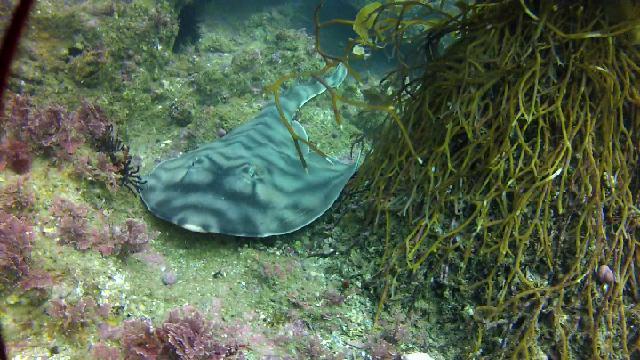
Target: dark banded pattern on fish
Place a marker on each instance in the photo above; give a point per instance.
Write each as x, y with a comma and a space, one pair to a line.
250, 182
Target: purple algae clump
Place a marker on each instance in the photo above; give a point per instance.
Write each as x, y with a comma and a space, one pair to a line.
74, 315
73, 226
16, 236
134, 237
102, 351
16, 197
131, 237
53, 130
16, 155
74, 229
186, 334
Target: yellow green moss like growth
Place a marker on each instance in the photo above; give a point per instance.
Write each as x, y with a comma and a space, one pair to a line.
528, 126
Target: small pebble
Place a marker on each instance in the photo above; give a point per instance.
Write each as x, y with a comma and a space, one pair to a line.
169, 278
605, 275
221, 132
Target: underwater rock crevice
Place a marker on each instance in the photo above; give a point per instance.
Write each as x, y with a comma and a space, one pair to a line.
188, 20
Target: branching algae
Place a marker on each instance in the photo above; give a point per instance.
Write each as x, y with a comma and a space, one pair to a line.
528, 127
